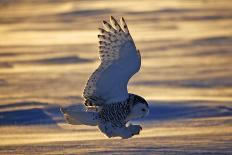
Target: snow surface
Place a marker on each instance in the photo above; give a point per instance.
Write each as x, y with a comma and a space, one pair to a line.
48, 49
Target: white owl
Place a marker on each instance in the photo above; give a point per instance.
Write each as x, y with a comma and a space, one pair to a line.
108, 103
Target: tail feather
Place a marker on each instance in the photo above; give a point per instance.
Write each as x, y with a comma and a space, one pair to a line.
80, 117
68, 118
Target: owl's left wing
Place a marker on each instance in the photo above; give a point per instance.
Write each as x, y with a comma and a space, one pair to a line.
119, 62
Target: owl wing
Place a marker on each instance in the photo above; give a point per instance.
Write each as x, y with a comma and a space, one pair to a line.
119, 62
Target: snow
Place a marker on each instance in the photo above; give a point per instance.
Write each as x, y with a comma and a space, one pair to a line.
49, 49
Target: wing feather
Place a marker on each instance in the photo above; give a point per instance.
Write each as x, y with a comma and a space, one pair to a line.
119, 62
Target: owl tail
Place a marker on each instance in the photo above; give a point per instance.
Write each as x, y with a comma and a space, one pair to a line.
80, 117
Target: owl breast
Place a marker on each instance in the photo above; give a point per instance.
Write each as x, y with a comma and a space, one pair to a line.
115, 113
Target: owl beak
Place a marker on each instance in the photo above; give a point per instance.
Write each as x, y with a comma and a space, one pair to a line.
147, 112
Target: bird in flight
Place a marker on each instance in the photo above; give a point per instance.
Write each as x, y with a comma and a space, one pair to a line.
108, 103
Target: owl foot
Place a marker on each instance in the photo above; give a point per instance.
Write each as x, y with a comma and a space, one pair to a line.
134, 129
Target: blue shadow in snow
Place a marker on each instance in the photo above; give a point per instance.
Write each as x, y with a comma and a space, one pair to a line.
25, 117
159, 111
62, 60
30, 116
163, 111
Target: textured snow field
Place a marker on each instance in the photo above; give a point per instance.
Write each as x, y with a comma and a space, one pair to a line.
48, 49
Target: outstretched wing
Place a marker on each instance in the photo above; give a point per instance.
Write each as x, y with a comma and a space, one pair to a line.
119, 62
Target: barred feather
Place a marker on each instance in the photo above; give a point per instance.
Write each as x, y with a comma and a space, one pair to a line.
124, 26
115, 24
115, 113
112, 38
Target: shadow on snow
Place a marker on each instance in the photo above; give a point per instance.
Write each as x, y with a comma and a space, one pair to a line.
166, 111
159, 111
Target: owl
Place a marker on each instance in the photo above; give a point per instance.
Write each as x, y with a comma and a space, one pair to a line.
108, 103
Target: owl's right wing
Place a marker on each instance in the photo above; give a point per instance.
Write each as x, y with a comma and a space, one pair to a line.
119, 62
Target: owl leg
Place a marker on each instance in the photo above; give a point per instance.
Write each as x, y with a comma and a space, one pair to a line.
135, 129
128, 132
123, 132
107, 129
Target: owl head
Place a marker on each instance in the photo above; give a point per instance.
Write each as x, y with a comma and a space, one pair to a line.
138, 107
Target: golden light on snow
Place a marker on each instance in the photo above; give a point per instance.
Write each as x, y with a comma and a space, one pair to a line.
49, 49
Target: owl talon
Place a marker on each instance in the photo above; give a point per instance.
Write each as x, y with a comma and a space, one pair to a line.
134, 129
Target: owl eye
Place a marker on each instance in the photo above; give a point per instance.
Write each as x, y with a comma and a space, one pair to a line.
143, 109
